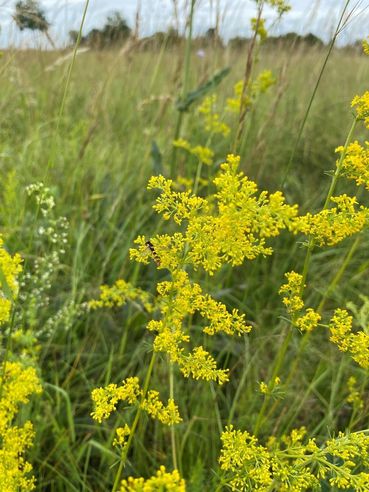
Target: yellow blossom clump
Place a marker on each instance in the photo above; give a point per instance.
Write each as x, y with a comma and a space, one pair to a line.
212, 120
228, 227
10, 267
204, 154
106, 400
354, 395
281, 5
266, 389
258, 26
331, 226
293, 463
118, 294
163, 481
366, 46
18, 384
355, 163
309, 321
361, 105
178, 301
245, 98
357, 344
292, 290
122, 433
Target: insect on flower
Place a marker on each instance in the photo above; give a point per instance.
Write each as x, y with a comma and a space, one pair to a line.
155, 255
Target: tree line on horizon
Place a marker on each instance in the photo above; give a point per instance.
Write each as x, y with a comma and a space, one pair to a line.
30, 15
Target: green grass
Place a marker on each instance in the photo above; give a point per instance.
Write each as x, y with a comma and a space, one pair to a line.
97, 165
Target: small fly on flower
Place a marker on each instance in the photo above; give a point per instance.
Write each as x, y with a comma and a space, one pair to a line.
155, 255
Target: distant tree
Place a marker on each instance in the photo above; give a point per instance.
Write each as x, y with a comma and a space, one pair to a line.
29, 15
116, 29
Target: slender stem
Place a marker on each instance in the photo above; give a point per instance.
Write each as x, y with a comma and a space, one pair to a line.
185, 85
126, 448
302, 126
305, 270
172, 430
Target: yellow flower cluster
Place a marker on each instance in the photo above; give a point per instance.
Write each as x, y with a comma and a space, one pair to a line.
331, 226
122, 433
292, 288
281, 5
354, 395
309, 321
10, 267
18, 384
355, 163
106, 399
266, 389
178, 300
361, 104
163, 481
204, 154
228, 227
258, 26
262, 83
357, 344
292, 465
366, 46
212, 121
118, 294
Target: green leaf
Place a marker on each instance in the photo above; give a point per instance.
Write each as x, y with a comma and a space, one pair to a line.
184, 103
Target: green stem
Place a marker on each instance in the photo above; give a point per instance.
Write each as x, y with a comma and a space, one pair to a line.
302, 126
172, 430
185, 85
126, 448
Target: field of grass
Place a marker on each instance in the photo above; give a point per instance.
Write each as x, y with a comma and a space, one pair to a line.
95, 145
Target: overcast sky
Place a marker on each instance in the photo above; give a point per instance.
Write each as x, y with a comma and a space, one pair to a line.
317, 16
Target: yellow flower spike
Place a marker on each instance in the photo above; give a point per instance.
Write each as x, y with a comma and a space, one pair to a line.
355, 164
18, 385
354, 396
361, 104
331, 226
118, 294
366, 46
357, 344
293, 463
106, 400
163, 481
292, 300
309, 321
212, 121
122, 433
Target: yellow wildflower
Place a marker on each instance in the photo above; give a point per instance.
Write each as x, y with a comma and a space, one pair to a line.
106, 399
309, 321
292, 300
204, 154
18, 384
361, 104
356, 163
10, 267
122, 433
331, 226
262, 83
366, 46
163, 481
212, 121
354, 394
357, 344
118, 294
291, 464
258, 26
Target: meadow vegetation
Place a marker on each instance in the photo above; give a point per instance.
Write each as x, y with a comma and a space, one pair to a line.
166, 323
